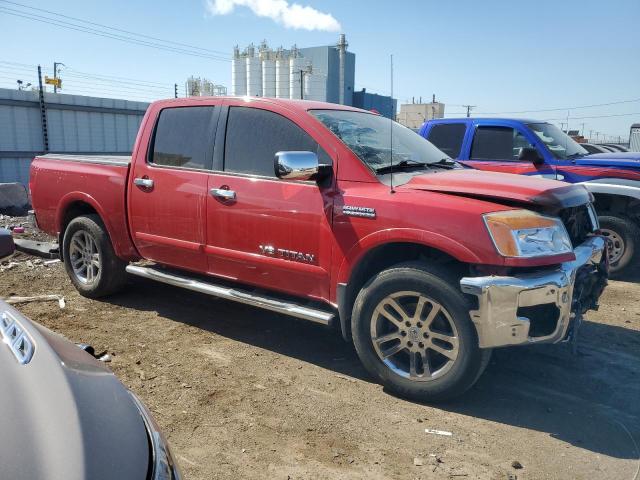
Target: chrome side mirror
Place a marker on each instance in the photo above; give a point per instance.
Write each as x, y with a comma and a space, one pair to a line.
296, 165
6, 243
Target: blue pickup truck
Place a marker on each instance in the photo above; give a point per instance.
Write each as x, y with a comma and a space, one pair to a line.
537, 148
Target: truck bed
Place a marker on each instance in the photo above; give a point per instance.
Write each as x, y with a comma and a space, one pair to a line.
61, 183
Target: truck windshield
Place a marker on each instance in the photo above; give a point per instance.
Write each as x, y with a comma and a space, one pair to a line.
369, 136
561, 145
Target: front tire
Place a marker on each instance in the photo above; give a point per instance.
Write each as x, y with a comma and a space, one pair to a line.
412, 331
91, 263
623, 236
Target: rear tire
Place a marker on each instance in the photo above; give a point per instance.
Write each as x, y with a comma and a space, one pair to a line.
91, 263
412, 332
623, 236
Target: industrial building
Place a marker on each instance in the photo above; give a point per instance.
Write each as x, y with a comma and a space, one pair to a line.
202, 87
316, 73
384, 105
413, 115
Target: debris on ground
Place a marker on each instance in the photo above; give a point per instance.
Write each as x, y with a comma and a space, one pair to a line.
438, 432
517, 465
37, 298
39, 249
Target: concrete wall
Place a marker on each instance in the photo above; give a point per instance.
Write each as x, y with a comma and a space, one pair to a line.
76, 124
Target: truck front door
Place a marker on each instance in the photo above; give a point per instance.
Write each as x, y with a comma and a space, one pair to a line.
499, 148
168, 187
262, 230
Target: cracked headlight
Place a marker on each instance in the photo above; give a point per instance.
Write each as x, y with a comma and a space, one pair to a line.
523, 233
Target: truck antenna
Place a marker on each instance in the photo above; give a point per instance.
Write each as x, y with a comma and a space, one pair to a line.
391, 130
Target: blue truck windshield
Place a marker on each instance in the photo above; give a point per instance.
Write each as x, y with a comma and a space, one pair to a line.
561, 145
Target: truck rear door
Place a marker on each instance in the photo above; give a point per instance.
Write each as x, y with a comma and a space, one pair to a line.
262, 230
497, 147
168, 187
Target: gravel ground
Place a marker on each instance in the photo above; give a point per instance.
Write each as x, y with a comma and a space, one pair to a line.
243, 393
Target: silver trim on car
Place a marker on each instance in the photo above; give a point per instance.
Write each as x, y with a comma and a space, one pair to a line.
499, 298
16, 338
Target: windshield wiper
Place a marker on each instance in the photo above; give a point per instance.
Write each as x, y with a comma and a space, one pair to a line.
575, 155
446, 163
401, 165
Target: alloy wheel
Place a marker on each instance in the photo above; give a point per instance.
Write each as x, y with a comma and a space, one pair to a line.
84, 257
414, 336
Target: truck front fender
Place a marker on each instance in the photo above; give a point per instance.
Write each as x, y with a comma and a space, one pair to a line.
402, 235
614, 186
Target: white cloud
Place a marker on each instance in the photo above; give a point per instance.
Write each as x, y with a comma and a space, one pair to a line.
291, 15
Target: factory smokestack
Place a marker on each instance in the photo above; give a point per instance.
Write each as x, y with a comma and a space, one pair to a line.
342, 49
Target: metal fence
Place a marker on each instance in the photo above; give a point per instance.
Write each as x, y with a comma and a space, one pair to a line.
73, 124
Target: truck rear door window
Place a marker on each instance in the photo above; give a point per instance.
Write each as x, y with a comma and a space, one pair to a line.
448, 137
184, 137
498, 143
254, 136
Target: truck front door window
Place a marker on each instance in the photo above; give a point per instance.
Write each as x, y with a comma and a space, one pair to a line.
183, 137
498, 143
254, 136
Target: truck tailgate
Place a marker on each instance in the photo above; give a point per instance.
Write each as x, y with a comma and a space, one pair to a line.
61, 184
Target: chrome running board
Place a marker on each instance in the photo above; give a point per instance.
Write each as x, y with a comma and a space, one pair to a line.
237, 295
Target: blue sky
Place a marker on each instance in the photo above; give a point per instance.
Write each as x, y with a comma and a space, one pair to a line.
501, 56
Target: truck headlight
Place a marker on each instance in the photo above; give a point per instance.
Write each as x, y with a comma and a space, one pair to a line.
523, 233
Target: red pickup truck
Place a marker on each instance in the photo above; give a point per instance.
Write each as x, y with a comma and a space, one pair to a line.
338, 216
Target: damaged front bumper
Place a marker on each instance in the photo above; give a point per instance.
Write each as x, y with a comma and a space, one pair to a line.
538, 307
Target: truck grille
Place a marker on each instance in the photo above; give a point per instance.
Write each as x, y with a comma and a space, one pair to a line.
579, 223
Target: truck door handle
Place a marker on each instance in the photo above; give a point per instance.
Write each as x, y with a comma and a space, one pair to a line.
223, 193
143, 182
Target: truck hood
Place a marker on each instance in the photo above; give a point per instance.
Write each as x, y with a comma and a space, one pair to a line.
64, 414
502, 188
620, 159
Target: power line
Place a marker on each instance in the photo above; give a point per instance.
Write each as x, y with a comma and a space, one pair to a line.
194, 47
597, 116
26, 69
633, 100
122, 38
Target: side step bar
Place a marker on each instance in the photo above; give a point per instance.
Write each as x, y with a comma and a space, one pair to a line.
227, 293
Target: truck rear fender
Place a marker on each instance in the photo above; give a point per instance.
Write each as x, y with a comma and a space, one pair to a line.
74, 204
384, 249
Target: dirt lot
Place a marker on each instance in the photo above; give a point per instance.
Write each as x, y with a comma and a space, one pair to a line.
243, 393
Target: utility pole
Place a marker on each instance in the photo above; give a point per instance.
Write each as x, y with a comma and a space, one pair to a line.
590, 134
55, 74
469, 108
43, 113
175, 90
582, 133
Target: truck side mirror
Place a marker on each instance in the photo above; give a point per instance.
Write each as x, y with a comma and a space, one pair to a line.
296, 165
7, 246
530, 154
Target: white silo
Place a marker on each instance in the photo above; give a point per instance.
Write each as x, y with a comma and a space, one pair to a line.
268, 75
315, 86
238, 73
282, 74
297, 67
254, 73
